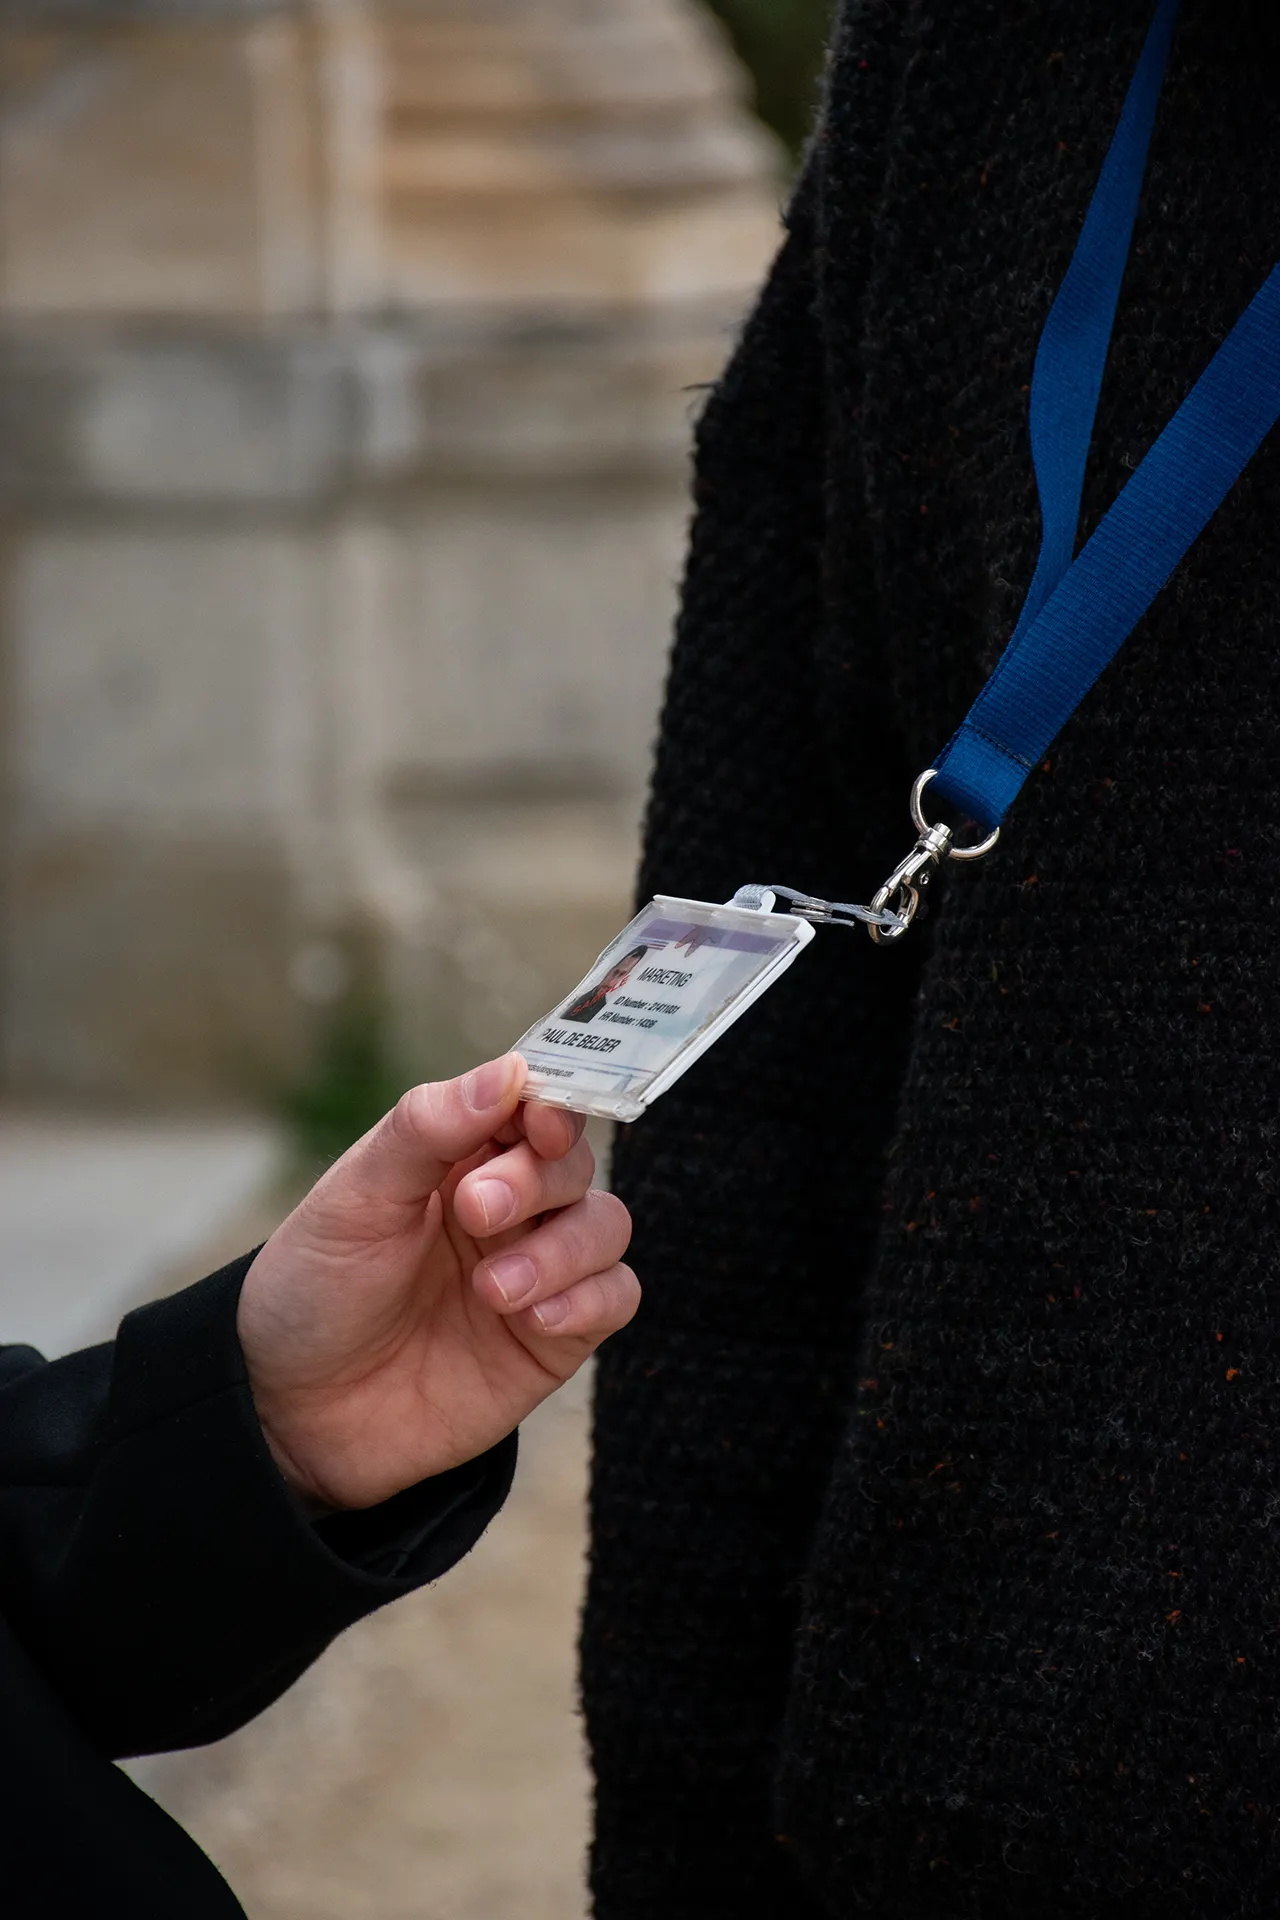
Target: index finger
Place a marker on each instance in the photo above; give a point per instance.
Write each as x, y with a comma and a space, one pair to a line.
551, 1131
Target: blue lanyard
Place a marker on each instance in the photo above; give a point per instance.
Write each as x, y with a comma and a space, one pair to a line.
1078, 613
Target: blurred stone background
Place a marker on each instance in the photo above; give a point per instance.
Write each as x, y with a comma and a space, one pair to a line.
348, 355
343, 425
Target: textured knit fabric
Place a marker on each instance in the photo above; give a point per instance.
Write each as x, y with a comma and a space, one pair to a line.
937, 1493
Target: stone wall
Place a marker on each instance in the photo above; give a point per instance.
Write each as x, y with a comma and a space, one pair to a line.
347, 355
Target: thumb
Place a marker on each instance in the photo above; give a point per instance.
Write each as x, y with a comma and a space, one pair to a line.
402, 1160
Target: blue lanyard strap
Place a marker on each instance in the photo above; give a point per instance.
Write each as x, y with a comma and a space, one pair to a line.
1078, 613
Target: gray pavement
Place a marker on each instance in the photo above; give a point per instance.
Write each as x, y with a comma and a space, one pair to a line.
96, 1214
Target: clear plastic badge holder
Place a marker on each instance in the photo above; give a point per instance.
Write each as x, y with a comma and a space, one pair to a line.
656, 999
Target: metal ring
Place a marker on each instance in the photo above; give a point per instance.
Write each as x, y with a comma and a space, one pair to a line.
922, 825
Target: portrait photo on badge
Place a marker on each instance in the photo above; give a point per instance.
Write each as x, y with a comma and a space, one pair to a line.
657, 997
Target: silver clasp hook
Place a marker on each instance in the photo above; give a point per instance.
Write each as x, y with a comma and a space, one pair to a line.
900, 894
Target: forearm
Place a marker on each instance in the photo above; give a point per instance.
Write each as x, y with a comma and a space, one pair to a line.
153, 1562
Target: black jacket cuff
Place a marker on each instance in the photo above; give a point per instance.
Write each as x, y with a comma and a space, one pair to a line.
193, 1589
176, 1351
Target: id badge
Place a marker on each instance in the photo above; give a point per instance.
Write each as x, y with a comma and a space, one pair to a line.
656, 999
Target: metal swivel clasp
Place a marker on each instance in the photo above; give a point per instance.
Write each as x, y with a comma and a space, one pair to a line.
900, 894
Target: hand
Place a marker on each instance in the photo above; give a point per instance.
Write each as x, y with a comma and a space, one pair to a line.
443, 1277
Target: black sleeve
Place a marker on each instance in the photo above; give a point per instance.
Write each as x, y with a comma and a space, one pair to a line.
755, 1182
154, 1563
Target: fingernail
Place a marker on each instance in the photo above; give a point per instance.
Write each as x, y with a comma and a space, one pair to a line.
549, 1313
513, 1276
485, 1086
497, 1202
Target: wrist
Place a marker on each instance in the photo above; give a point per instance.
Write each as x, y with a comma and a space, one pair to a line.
306, 1495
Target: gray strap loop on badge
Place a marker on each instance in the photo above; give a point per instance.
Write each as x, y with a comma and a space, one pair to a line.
823, 913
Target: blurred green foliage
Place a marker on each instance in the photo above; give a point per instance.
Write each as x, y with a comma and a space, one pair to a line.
353, 1082
781, 44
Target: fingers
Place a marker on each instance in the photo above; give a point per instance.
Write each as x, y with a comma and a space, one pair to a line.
407, 1155
519, 1185
589, 1311
581, 1243
551, 1131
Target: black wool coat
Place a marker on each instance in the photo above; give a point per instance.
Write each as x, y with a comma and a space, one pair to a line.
159, 1586
936, 1567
